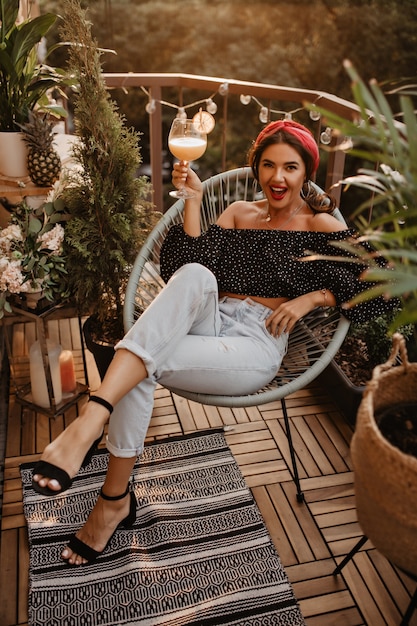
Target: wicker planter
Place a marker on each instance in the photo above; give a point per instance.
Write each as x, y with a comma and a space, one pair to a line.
386, 477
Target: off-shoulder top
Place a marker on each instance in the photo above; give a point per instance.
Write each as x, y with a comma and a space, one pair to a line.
267, 263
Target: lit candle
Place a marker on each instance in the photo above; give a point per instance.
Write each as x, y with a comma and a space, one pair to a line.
66, 364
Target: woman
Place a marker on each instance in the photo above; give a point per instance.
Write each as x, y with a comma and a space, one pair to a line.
220, 325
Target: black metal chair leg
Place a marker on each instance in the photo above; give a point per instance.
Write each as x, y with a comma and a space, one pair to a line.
413, 602
351, 554
295, 475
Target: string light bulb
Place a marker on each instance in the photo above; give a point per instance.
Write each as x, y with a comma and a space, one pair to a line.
245, 99
211, 106
182, 115
263, 115
224, 89
326, 136
314, 115
151, 107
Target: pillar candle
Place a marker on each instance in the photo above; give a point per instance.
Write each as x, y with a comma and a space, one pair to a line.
66, 364
38, 384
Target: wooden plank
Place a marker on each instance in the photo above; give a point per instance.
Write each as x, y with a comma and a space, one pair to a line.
13, 429
261, 456
28, 432
274, 526
366, 602
342, 503
327, 604
262, 478
245, 431
392, 581
377, 588
289, 517
308, 525
341, 617
241, 415
256, 445
343, 546
338, 483
334, 448
281, 440
340, 438
213, 416
227, 415
337, 518
185, 414
308, 435
43, 432
8, 577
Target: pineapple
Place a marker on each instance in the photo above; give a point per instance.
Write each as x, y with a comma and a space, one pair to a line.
43, 162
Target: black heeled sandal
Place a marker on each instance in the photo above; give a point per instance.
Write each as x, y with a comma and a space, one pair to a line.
83, 550
56, 473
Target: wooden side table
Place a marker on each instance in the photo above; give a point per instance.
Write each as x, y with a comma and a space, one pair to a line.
40, 316
16, 189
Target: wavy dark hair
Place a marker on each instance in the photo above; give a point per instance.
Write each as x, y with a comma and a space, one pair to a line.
319, 201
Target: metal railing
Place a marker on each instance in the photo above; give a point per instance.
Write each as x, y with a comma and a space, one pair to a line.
154, 84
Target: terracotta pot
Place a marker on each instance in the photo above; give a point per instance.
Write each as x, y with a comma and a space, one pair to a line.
386, 477
102, 351
13, 155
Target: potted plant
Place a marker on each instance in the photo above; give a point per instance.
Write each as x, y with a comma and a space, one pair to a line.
32, 265
24, 82
365, 346
111, 214
385, 466
388, 218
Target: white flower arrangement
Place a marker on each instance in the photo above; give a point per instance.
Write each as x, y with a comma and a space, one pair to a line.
31, 254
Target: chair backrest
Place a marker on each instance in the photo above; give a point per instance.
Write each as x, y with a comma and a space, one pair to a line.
313, 342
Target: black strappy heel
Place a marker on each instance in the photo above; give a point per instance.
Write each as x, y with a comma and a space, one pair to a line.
56, 473
83, 550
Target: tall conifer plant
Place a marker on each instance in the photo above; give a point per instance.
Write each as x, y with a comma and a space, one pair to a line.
110, 213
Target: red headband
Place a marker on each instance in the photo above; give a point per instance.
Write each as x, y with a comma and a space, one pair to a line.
303, 134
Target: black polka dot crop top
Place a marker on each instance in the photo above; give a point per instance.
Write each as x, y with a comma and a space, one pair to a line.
268, 263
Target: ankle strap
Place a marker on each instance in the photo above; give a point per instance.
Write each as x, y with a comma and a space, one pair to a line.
111, 498
101, 401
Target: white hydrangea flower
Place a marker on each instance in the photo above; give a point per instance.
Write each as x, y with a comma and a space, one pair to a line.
52, 240
8, 236
11, 277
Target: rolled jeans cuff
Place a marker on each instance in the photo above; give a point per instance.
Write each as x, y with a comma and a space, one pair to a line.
137, 350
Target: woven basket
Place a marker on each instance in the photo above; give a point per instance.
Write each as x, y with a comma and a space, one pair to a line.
385, 477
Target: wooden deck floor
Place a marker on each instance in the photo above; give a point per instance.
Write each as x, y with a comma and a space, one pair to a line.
310, 537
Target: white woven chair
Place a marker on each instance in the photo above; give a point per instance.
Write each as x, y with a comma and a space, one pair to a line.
313, 342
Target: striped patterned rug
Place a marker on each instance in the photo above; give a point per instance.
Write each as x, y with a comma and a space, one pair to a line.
199, 553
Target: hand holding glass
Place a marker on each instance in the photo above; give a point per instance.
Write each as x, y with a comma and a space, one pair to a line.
186, 143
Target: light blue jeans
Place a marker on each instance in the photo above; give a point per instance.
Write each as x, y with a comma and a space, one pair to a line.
189, 339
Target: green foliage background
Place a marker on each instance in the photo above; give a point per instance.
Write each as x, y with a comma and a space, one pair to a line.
301, 43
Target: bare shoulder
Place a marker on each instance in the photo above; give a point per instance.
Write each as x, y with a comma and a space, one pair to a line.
239, 214
325, 222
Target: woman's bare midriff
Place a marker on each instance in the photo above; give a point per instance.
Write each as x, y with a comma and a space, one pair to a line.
271, 303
